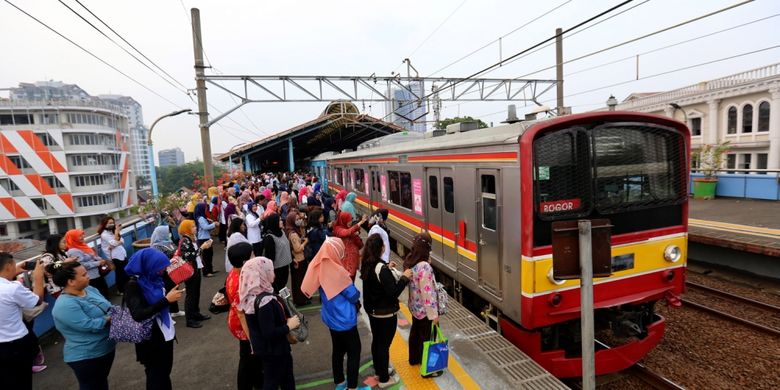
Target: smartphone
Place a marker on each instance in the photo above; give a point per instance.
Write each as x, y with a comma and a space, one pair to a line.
30, 265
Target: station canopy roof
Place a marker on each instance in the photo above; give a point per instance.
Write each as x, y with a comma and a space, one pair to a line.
341, 126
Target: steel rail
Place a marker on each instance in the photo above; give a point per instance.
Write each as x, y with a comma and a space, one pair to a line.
652, 378
740, 320
715, 291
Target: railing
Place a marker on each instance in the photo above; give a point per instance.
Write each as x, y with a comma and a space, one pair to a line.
53, 104
745, 183
705, 86
135, 228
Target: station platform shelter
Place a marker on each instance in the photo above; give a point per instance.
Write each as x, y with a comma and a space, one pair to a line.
341, 126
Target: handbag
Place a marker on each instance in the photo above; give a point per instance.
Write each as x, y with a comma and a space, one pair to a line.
180, 270
442, 298
124, 329
219, 303
436, 352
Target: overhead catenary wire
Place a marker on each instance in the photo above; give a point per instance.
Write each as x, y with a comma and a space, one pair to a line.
485, 46
93, 55
648, 35
131, 45
121, 47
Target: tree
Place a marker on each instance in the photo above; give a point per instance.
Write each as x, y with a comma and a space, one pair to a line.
189, 175
141, 182
442, 124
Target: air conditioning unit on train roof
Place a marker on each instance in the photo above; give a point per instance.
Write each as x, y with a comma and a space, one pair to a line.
462, 127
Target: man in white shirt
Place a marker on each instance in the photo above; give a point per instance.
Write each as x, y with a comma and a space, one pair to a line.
18, 345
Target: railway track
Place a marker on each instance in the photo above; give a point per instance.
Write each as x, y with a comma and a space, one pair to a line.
657, 381
737, 299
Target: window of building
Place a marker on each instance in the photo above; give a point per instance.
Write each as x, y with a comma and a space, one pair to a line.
53, 182
761, 162
745, 160
50, 119
24, 226
40, 202
46, 139
16, 119
95, 200
731, 162
359, 184
19, 161
400, 188
747, 119
695, 126
449, 195
433, 191
9, 185
763, 116
3, 230
732, 121
489, 210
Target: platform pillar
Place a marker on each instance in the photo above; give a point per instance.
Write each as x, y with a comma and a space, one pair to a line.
290, 154
713, 132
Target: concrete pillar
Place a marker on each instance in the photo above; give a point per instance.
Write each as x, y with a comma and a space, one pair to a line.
52, 226
77, 223
245, 159
774, 130
12, 229
713, 132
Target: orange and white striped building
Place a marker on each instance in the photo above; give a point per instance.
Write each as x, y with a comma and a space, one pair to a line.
63, 164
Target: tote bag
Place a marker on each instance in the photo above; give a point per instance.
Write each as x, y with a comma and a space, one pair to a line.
436, 352
180, 270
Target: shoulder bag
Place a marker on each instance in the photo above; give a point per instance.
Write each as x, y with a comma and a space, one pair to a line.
124, 329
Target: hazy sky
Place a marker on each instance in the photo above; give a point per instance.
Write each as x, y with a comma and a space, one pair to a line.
365, 37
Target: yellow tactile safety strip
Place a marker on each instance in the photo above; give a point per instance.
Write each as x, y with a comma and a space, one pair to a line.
410, 375
745, 229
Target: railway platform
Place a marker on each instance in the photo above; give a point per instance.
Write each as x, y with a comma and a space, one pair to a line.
722, 229
207, 358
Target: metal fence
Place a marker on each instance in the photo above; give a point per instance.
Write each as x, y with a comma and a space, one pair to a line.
745, 183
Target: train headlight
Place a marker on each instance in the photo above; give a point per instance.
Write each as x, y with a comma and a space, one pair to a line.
672, 253
551, 278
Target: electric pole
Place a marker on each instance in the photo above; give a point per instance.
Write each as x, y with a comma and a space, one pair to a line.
559, 68
203, 114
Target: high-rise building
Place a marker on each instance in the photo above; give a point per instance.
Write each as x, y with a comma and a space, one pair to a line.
170, 157
406, 107
64, 160
139, 135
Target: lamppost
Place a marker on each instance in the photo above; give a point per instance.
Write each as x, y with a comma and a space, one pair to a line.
151, 150
612, 102
677, 107
230, 156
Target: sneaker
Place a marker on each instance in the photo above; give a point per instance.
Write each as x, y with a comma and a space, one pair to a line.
39, 358
194, 324
390, 382
342, 386
179, 313
37, 369
390, 371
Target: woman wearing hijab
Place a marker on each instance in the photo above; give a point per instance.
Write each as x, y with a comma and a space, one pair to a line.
267, 194
422, 296
74, 240
290, 206
146, 298
270, 208
327, 210
194, 200
313, 201
295, 229
380, 300
302, 194
276, 247
339, 311
284, 197
268, 323
191, 253
161, 241
340, 198
350, 235
204, 226
377, 226
236, 234
254, 230
317, 233
348, 205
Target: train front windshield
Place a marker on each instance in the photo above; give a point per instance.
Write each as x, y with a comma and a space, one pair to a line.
634, 174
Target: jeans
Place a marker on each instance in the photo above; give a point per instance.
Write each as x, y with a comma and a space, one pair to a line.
16, 361
250, 367
92, 374
382, 333
158, 373
420, 333
192, 300
346, 342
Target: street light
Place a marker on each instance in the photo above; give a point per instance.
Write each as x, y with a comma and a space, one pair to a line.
677, 107
151, 150
230, 156
612, 102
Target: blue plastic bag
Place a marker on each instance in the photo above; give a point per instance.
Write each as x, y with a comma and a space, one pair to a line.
436, 352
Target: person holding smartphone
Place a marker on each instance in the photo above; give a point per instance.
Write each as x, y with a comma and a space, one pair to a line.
191, 252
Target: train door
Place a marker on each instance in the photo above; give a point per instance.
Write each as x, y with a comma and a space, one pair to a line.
441, 215
489, 243
373, 175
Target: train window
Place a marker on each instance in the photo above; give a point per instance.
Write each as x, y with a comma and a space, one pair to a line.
339, 179
433, 191
489, 212
637, 167
401, 188
561, 174
449, 195
359, 181
374, 182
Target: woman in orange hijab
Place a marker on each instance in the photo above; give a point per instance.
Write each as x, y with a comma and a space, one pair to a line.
74, 240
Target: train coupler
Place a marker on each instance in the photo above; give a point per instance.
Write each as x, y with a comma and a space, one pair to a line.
672, 299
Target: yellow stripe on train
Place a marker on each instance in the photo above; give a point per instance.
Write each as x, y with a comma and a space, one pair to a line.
648, 256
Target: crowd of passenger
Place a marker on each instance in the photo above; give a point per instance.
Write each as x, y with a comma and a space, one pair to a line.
277, 230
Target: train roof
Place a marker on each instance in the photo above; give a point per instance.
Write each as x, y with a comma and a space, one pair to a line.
506, 134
